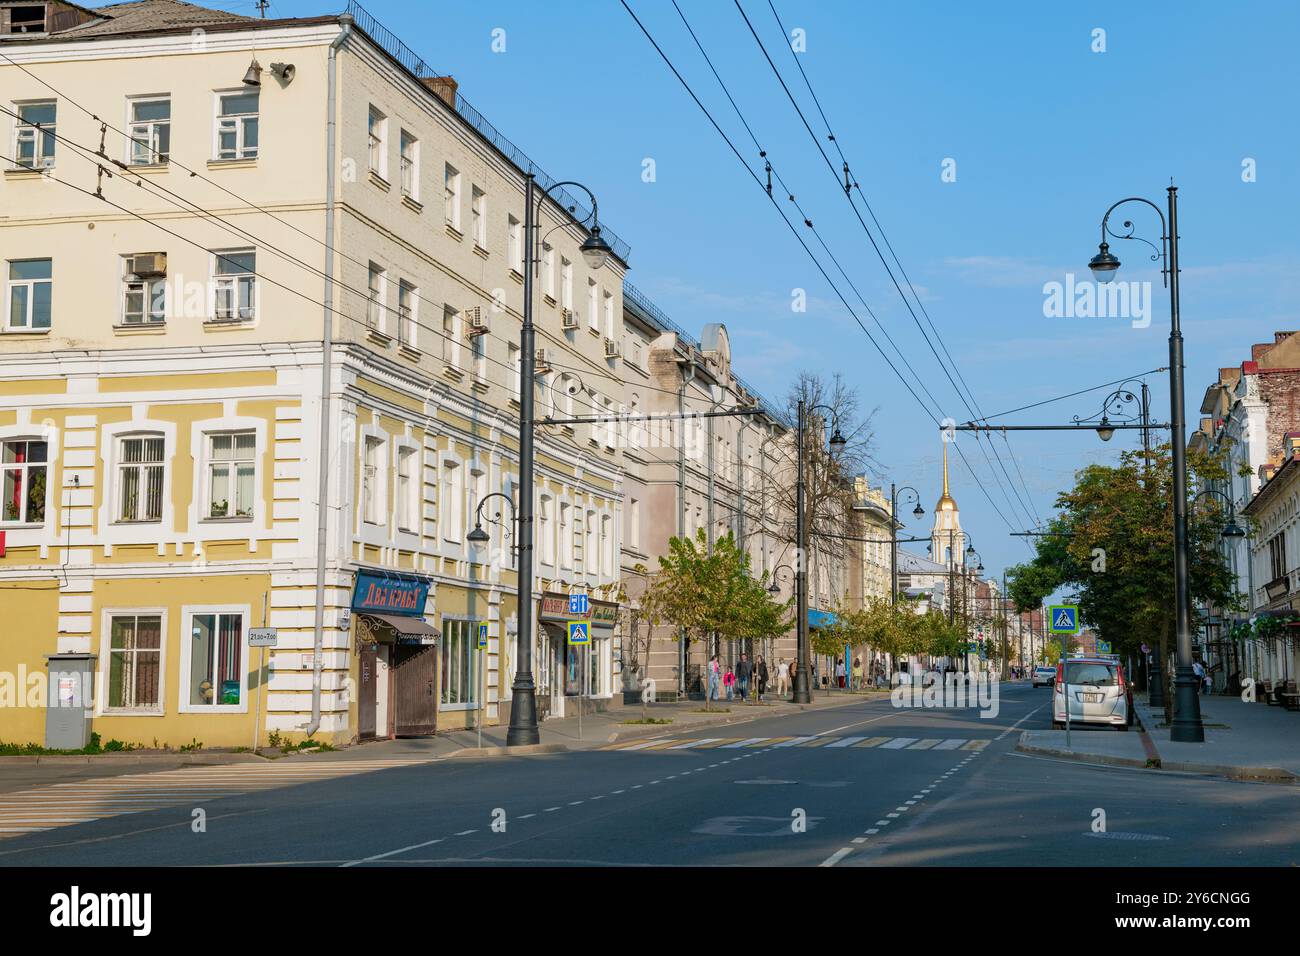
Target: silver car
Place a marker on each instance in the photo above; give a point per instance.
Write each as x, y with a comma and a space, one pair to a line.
1044, 676
1096, 690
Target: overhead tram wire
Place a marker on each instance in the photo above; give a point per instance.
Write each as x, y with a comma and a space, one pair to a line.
771, 168
1027, 509
795, 233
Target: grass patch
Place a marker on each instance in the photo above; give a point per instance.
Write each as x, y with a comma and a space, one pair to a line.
96, 746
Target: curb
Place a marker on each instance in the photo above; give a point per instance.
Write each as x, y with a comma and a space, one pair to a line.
1228, 772
526, 750
130, 758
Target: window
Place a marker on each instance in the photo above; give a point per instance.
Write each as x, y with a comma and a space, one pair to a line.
27, 19
606, 546
590, 556
632, 522
22, 480
459, 663
216, 655
373, 481
1277, 556
593, 317
407, 297
566, 284
151, 131
377, 127
478, 217
566, 536
548, 271
410, 147
515, 244
478, 349
135, 662
375, 298
451, 192
30, 294
451, 501
144, 297
34, 134
546, 517
516, 368
140, 478
408, 489
231, 467
451, 336
235, 286
609, 316
237, 125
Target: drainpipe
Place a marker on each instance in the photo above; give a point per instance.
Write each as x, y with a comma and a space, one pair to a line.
681, 503
326, 375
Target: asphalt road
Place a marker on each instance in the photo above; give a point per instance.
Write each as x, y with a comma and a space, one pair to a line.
874, 786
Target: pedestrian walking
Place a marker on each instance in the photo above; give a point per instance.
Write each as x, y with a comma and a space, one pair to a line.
839, 673
729, 682
714, 674
743, 671
782, 677
760, 668
857, 673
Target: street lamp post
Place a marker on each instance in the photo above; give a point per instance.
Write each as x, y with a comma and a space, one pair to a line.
893, 533
596, 251
802, 679
1186, 726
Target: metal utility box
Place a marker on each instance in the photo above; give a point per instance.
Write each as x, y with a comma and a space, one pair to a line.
69, 704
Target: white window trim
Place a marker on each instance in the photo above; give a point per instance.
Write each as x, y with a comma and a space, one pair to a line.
145, 322
480, 664
417, 479
378, 303
10, 284
188, 612
28, 434
214, 256
381, 480
408, 325
413, 192
129, 158
239, 128
16, 125
455, 198
379, 165
446, 534
105, 653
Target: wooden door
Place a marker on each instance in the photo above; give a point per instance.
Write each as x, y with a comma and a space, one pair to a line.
366, 696
414, 703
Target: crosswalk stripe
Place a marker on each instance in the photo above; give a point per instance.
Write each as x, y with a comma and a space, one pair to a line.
695, 743
898, 743
846, 742
748, 742
790, 741
873, 742
662, 744
718, 742
974, 745
818, 742
641, 745
924, 744
952, 743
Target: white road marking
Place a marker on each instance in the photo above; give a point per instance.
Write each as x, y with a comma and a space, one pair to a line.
836, 856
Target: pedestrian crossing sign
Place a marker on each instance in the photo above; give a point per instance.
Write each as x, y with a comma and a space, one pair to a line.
579, 632
1063, 619
482, 635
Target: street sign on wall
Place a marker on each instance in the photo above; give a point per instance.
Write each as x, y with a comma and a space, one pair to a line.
262, 637
482, 634
578, 604
579, 632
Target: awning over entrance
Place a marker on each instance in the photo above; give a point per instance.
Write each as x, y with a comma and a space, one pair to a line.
413, 629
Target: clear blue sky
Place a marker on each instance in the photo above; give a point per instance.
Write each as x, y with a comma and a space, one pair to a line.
1045, 133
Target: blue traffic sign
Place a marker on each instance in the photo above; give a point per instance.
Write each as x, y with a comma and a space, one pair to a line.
1063, 619
578, 604
579, 632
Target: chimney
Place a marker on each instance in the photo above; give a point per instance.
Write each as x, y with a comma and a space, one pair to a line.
444, 87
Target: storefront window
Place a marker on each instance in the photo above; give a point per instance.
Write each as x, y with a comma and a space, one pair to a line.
459, 663
216, 659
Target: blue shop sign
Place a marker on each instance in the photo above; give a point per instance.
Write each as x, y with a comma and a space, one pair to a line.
392, 595
820, 619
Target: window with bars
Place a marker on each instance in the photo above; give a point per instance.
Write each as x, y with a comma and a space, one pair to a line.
23, 481
134, 662
216, 655
231, 470
140, 473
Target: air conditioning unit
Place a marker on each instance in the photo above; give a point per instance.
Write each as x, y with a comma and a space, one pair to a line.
543, 361
148, 265
475, 321
611, 348
569, 319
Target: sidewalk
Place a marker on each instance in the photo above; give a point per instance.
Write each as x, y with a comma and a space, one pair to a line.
1242, 742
